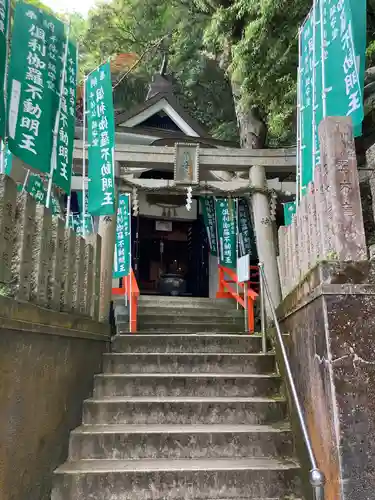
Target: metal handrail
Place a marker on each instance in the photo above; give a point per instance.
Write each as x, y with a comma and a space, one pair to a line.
316, 476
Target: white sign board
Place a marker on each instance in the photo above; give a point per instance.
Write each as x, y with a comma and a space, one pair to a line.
163, 225
243, 268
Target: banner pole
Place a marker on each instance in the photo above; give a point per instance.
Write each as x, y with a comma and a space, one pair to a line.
313, 91
68, 204
322, 55
130, 264
299, 156
57, 120
5, 89
84, 159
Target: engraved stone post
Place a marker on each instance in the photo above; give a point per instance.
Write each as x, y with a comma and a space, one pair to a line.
96, 242
282, 257
287, 263
78, 275
89, 278
306, 251
58, 261
22, 249
294, 253
324, 223
70, 254
340, 168
107, 230
8, 195
313, 226
42, 256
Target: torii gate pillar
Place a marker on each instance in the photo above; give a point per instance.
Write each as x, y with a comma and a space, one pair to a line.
265, 235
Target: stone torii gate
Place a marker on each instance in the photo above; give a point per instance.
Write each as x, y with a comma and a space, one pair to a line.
249, 168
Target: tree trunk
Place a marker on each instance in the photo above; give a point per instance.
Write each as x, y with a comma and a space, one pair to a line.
252, 129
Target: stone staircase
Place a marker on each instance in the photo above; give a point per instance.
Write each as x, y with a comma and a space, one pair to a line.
189, 409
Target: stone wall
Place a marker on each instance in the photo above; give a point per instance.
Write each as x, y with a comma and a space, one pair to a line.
43, 262
330, 318
47, 363
328, 224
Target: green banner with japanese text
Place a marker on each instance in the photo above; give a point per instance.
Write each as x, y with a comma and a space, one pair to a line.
36, 188
4, 25
227, 231
289, 211
306, 103
122, 258
35, 73
101, 139
62, 175
88, 226
209, 218
343, 87
246, 236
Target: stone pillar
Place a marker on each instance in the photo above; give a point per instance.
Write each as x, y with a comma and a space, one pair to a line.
42, 256
96, 242
79, 276
58, 262
8, 194
89, 278
265, 235
213, 276
23, 247
70, 254
107, 231
341, 187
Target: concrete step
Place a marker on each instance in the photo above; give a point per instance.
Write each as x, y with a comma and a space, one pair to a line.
186, 326
188, 363
168, 319
185, 411
187, 384
177, 343
135, 442
220, 312
159, 300
175, 479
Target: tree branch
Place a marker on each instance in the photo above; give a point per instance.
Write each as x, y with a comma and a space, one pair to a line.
142, 56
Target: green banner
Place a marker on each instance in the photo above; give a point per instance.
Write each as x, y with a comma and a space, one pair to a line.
8, 160
246, 236
209, 218
35, 73
306, 102
122, 257
101, 138
318, 88
343, 87
76, 223
227, 231
359, 17
36, 188
289, 211
89, 226
62, 175
4, 22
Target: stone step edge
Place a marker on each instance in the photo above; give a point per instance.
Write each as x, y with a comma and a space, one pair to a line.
187, 399
104, 466
189, 354
188, 429
189, 335
179, 375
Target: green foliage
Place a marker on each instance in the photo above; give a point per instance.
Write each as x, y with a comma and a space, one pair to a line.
215, 47
134, 26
